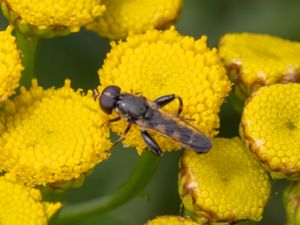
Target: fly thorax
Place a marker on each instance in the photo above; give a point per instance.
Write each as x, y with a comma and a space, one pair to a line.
134, 106
118, 111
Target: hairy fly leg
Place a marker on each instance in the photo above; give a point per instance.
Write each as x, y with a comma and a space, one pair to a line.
151, 143
115, 119
123, 135
166, 99
96, 94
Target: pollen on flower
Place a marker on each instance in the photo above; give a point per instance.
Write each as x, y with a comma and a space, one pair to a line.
259, 60
10, 64
159, 63
231, 185
52, 136
133, 16
273, 133
54, 14
23, 205
171, 220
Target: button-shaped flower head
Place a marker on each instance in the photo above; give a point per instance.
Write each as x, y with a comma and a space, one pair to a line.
51, 16
256, 60
225, 184
134, 16
23, 205
159, 63
270, 125
52, 136
10, 64
171, 220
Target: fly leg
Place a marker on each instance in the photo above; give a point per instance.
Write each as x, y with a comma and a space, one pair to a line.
114, 119
166, 99
140, 94
123, 135
151, 143
96, 94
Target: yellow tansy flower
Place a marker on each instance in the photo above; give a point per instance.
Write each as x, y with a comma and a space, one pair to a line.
21, 205
171, 220
226, 184
158, 63
134, 16
270, 125
50, 136
10, 64
52, 15
256, 60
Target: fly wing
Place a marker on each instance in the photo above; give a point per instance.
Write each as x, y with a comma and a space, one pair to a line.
177, 129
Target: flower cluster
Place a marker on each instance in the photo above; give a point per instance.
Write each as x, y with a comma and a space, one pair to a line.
171, 220
159, 63
10, 64
270, 126
266, 71
124, 17
42, 17
68, 135
256, 60
55, 137
23, 205
226, 184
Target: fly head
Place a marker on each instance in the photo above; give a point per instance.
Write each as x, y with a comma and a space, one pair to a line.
108, 98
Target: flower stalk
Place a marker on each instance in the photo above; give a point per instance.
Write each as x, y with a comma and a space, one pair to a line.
136, 182
28, 45
291, 200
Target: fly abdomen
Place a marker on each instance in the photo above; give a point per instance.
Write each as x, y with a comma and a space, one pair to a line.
194, 140
198, 142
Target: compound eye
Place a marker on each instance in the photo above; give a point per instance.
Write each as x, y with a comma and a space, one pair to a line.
108, 98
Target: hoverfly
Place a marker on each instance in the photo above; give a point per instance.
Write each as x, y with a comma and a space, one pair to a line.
148, 116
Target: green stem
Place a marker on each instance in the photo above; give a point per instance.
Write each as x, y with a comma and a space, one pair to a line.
136, 182
27, 44
291, 203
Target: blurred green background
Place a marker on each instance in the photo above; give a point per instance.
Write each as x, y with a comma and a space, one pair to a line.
80, 55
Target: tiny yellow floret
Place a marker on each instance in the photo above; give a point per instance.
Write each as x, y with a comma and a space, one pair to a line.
10, 64
259, 59
160, 63
171, 220
225, 184
52, 136
21, 205
270, 125
134, 16
53, 14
